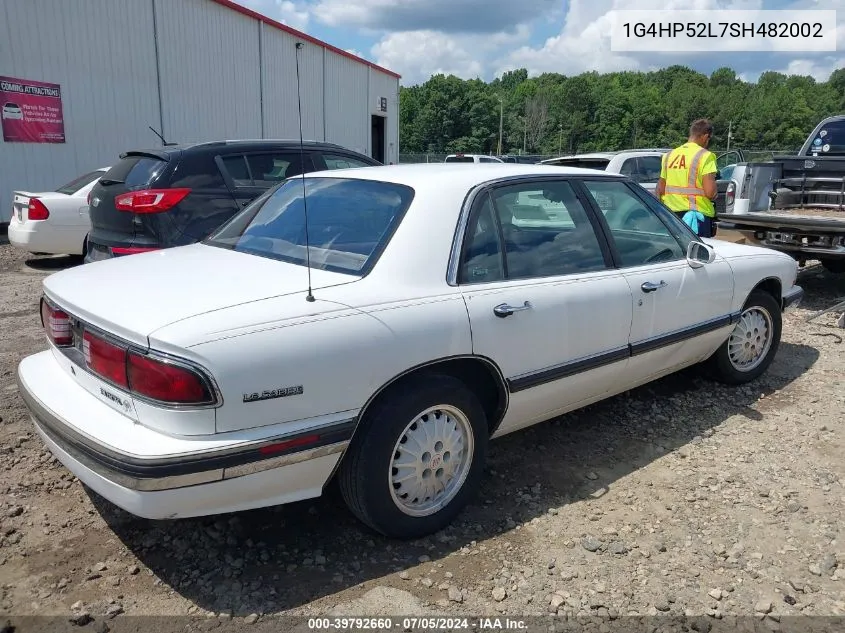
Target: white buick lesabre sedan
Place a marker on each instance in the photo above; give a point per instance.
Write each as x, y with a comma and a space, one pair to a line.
449, 305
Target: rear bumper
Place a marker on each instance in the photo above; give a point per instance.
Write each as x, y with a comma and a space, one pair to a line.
226, 477
41, 236
793, 298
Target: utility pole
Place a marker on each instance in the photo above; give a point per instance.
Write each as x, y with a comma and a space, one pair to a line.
525, 135
559, 138
501, 116
729, 136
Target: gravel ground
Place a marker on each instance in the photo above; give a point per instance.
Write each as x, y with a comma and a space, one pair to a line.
682, 497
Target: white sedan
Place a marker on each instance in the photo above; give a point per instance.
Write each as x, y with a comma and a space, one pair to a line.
53, 222
446, 305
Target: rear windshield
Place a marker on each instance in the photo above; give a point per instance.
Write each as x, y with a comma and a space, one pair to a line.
460, 159
349, 223
830, 140
584, 163
135, 171
78, 183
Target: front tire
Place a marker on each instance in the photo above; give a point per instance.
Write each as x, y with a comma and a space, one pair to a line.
751, 347
417, 457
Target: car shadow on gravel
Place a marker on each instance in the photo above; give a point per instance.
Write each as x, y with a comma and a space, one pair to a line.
268, 560
53, 263
821, 288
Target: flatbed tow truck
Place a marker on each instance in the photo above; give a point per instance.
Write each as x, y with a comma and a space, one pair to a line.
794, 204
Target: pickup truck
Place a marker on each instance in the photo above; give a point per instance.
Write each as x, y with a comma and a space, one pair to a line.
794, 204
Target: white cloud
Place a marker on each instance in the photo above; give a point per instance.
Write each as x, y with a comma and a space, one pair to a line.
293, 16
416, 55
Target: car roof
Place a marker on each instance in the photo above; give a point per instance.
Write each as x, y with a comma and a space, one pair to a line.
169, 151
608, 155
461, 175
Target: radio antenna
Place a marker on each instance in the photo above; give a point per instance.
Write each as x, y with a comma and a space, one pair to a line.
309, 296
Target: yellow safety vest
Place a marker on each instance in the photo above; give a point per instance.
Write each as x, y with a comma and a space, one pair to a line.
681, 169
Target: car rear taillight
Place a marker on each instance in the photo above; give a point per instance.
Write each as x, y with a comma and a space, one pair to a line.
56, 324
730, 194
105, 359
143, 375
150, 200
37, 210
166, 382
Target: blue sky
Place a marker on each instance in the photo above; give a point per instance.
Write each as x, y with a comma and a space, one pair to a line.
483, 38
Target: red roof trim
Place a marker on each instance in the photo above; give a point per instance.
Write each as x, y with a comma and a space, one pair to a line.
284, 27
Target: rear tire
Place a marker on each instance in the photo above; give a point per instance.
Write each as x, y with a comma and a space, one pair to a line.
751, 347
834, 265
417, 457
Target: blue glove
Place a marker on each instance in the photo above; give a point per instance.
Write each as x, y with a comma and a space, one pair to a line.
692, 218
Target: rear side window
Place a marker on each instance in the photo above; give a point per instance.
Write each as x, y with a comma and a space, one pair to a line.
265, 170
136, 171
642, 168
198, 172
460, 159
337, 161
830, 140
78, 183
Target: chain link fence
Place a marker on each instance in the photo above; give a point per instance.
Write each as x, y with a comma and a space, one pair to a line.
755, 155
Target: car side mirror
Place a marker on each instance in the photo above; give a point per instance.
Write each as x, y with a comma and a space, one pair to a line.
699, 254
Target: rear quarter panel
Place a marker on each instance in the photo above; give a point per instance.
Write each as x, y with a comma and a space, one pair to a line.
334, 357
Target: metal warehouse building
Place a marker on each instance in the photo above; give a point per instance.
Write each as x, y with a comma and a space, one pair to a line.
99, 73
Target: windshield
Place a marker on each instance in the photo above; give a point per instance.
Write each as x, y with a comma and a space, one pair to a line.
830, 140
349, 223
460, 159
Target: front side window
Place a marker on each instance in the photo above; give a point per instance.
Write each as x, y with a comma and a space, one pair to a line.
349, 223
640, 235
546, 231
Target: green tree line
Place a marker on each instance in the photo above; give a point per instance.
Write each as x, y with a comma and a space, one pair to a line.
588, 112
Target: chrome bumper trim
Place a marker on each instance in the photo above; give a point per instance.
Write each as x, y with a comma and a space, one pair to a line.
178, 471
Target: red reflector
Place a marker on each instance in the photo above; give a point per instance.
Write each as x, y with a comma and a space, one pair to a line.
166, 382
105, 359
37, 210
149, 200
278, 447
56, 324
131, 250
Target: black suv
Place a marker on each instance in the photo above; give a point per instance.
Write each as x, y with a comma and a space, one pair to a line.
179, 194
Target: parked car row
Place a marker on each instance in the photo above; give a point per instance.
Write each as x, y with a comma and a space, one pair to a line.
486, 300
164, 197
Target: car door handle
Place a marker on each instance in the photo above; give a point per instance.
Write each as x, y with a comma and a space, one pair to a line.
650, 286
503, 309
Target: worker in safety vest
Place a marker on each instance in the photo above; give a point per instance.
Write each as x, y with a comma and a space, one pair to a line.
687, 182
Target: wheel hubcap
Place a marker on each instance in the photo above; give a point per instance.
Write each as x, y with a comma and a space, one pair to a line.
431, 460
751, 339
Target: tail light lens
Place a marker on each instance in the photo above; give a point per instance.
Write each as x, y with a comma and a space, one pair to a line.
160, 380
37, 210
56, 324
105, 359
166, 382
730, 194
150, 200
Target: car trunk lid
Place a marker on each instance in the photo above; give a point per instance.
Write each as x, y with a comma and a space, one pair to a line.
134, 296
